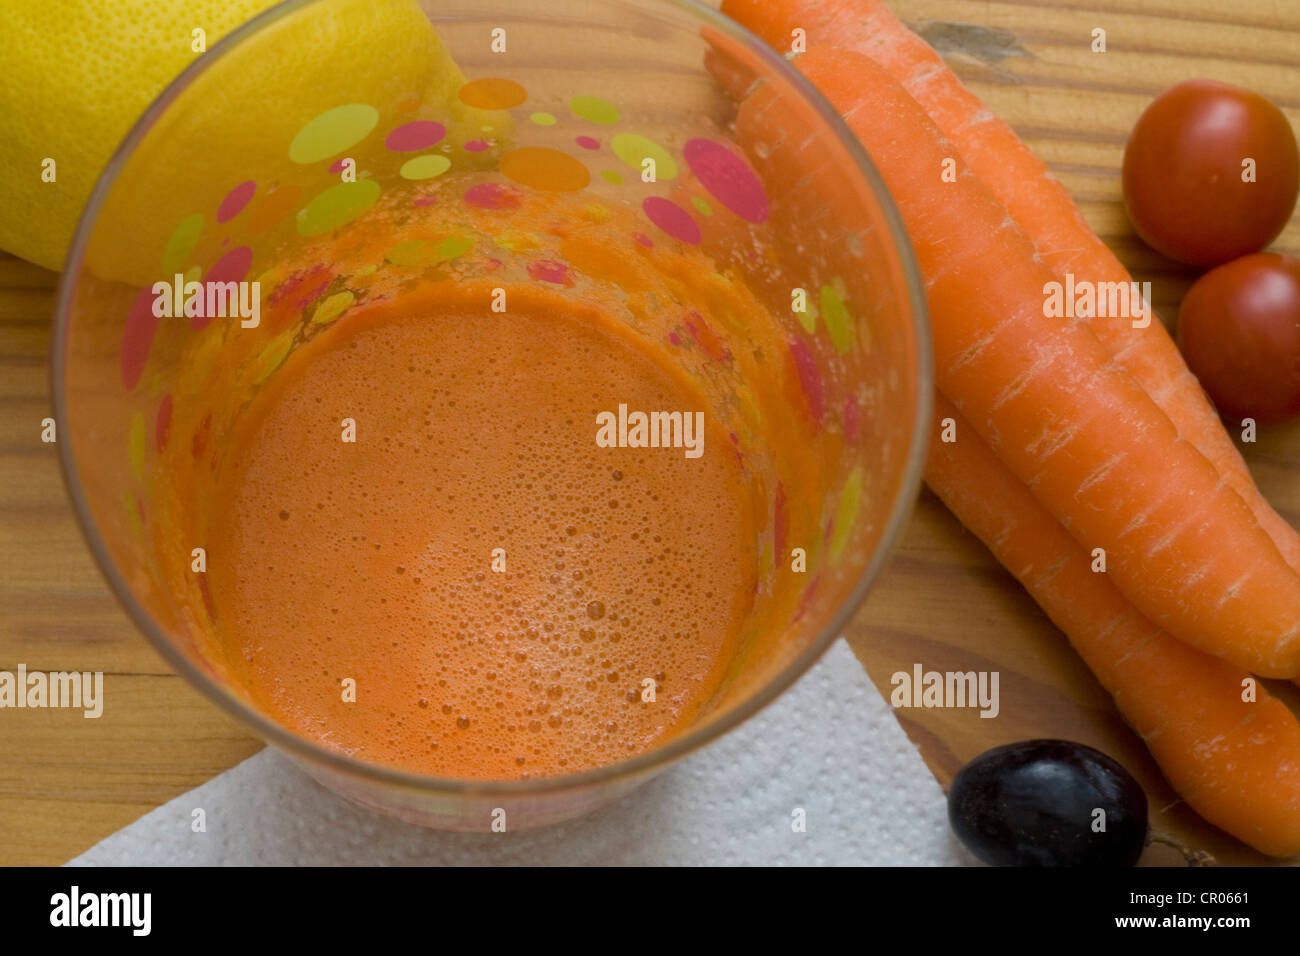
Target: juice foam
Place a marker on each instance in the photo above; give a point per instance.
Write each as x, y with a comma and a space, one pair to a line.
475, 447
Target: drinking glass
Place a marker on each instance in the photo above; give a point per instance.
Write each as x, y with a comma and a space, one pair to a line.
337, 152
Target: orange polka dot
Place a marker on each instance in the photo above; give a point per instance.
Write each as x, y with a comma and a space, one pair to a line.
543, 168
408, 105
277, 204
492, 93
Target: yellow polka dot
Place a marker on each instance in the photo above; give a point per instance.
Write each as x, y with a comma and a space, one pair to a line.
333, 307
425, 167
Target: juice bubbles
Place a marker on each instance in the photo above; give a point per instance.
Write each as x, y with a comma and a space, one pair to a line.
424, 550
510, 598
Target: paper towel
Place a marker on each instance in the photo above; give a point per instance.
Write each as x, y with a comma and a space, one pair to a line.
829, 745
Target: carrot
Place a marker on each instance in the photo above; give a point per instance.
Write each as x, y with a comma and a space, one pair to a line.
1036, 201
729, 61
1045, 395
1237, 763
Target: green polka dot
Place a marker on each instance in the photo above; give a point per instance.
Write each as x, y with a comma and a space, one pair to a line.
543, 119
839, 323
594, 110
610, 176
517, 241
425, 167
333, 307
181, 244
132, 515
332, 132
453, 246
269, 359
137, 441
406, 253
194, 273
701, 206
847, 512
366, 270
337, 206
635, 150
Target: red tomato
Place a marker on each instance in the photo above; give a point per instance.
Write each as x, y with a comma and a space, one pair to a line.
1184, 166
1239, 329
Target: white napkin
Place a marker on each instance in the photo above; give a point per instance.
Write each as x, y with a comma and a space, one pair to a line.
829, 745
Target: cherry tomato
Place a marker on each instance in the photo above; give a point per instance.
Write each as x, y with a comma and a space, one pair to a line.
1239, 329
1185, 165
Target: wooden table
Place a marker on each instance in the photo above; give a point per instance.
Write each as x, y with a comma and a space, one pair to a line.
67, 782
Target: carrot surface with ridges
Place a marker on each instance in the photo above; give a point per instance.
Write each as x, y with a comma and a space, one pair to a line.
1034, 198
1048, 398
1237, 763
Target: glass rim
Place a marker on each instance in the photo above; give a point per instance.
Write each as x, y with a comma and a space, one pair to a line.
642, 764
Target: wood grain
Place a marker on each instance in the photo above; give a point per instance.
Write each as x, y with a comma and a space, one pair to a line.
66, 782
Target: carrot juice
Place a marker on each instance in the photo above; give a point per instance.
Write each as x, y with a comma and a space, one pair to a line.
495, 434
496, 490
497, 584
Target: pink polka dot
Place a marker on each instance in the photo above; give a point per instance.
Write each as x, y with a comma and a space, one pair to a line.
706, 338
208, 604
425, 200
199, 443
586, 142
475, 146
412, 136
137, 338
852, 419
642, 238
728, 178
804, 603
672, 219
232, 267
549, 270
493, 196
235, 201
810, 378
163, 426
337, 165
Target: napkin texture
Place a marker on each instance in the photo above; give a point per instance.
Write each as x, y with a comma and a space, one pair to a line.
830, 745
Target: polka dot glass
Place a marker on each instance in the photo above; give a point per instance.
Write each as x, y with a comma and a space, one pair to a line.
636, 152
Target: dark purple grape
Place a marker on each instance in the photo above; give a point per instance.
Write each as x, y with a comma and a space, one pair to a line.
1035, 803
